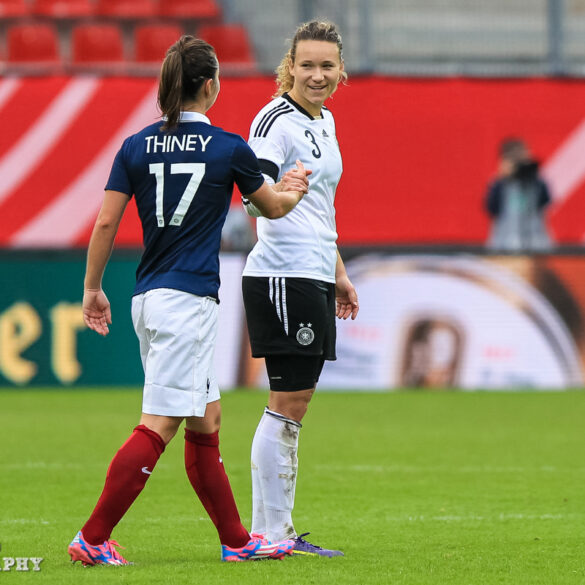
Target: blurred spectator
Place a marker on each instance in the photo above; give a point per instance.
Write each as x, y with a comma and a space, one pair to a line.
238, 234
516, 200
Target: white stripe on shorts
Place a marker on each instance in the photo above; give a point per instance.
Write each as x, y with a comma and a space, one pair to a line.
277, 299
277, 295
284, 311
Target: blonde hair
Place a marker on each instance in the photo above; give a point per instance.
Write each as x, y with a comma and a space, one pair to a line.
309, 31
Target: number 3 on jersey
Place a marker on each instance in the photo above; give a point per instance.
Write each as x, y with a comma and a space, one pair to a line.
196, 170
316, 152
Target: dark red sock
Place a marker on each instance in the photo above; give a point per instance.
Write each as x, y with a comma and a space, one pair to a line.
127, 474
208, 478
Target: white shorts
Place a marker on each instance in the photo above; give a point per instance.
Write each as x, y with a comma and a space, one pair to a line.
177, 332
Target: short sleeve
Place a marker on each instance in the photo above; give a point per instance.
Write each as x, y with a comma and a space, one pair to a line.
247, 174
268, 149
119, 179
269, 145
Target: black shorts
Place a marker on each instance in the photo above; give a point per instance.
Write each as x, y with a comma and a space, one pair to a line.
290, 373
290, 316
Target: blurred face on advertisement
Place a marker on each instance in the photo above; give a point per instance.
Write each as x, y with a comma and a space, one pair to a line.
316, 71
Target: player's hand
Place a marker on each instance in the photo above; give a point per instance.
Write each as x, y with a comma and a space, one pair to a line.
346, 299
295, 179
96, 311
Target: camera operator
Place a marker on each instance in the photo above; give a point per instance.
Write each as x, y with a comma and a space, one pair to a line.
516, 201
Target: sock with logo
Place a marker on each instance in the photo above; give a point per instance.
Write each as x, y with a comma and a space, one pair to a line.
274, 475
207, 475
127, 474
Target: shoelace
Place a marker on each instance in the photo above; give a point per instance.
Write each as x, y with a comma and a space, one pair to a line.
110, 544
301, 539
260, 537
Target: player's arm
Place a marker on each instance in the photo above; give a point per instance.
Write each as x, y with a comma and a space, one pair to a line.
96, 307
274, 202
346, 299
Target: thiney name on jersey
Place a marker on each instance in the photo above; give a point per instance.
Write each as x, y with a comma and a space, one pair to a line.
170, 143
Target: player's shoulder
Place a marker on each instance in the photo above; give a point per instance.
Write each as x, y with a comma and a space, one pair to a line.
133, 143
226, 135
230, 140
154, 128
274, 112
275, 104
327, 113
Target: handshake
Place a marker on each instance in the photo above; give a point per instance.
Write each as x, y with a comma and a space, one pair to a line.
294, 180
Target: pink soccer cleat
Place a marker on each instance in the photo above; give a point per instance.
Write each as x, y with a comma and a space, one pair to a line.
104, 554
257, 548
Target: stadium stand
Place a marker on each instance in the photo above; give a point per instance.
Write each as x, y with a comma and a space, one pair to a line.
127, 9
151, 42
232, 45
69, 9
394, 37
113, 37
97, 47
33, 49
13, 8
189, 9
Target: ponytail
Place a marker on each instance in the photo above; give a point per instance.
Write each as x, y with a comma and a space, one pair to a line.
187, 65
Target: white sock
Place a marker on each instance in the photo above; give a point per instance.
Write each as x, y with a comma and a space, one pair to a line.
274, 476
258, 516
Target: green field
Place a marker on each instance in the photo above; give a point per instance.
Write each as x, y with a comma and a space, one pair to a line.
416, 488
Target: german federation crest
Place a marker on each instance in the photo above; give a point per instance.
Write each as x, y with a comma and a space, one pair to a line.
305, 335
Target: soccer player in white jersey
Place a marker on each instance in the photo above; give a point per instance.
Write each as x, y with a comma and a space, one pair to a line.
294, 281
181, 172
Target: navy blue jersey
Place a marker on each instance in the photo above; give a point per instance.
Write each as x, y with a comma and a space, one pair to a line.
182, 181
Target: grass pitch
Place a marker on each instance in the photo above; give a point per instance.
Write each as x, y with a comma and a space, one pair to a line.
416, 488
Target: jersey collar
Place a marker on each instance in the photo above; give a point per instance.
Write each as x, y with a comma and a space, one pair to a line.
298, 107
193, 117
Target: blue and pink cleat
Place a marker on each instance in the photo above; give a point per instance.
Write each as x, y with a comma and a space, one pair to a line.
258, 548
89, 555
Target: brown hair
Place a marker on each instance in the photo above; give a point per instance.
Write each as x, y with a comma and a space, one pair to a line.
309, 31
188, 63
512, 148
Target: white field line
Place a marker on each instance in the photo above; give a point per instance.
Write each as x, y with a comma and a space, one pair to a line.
445, 469
455, 518
43, 465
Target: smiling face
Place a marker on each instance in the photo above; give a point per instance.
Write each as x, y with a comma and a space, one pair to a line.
316, 71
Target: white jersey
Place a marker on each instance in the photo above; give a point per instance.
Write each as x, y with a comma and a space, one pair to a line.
302, 243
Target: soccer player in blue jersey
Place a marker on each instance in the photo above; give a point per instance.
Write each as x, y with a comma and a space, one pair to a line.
295, 282
181, 172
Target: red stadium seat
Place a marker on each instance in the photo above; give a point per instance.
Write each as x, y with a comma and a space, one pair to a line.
63, 8
189, 9
13, 8
232, 45
33, 45
151, 42
97, 45
127, 9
